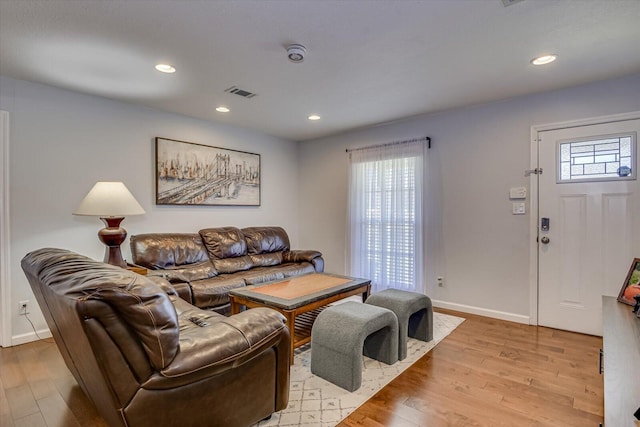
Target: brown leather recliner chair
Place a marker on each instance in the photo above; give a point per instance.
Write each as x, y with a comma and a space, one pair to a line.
145, 357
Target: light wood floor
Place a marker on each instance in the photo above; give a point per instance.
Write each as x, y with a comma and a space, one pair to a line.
494, 373
486, 373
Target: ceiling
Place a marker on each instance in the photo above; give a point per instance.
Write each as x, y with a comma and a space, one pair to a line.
367, 62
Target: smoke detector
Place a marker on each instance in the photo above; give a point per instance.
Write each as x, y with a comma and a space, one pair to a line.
296, 52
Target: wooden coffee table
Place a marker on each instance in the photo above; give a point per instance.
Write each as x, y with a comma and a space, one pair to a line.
300, 299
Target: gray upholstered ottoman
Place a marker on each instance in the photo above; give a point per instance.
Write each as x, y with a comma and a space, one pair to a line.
414, 312
341, 333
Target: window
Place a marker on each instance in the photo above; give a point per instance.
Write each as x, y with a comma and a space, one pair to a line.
385, 210
597, 159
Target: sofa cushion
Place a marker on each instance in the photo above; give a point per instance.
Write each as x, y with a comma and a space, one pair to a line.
167, 250
262, 240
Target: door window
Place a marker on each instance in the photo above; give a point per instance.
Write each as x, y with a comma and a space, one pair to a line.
602, 158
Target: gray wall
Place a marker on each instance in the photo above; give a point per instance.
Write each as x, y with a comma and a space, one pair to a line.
62, 142
478, 153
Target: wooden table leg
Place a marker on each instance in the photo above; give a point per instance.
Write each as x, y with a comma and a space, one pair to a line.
235, 307
366, 293
291, 323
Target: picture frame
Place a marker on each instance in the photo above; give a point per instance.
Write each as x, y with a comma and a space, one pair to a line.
631, 284
195, 174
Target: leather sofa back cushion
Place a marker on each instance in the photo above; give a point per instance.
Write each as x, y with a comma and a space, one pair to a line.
224, 242
167, 250
227, 249
262, 240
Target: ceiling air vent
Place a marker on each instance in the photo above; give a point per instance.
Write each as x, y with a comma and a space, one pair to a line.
510, 2
240, 92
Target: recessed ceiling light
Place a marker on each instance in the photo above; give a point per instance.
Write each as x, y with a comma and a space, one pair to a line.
165, 68
544, 59
314, 117
222, 109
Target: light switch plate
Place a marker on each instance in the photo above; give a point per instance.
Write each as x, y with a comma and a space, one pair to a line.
518, 208
518, 193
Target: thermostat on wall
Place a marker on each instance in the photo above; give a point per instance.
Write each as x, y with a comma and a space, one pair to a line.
518, 193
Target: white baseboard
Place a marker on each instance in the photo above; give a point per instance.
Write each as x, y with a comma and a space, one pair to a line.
30, 337
502, 315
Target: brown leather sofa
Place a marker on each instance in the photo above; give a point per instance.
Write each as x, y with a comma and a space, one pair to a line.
203, 267
145, 357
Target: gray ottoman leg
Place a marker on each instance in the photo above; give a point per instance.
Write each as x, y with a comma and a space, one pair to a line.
421, 323
342, 369
414, 312
382, 344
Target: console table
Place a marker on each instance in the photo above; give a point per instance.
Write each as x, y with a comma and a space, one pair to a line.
621, 346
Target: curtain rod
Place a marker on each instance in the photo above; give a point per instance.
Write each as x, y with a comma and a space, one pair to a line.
426, 138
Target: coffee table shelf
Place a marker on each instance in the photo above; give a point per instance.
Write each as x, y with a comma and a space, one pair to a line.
304, 323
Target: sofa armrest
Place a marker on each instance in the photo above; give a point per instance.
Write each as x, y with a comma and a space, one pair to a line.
300, 255
311, 256
177, 281
169, 276
164, 284
215, 343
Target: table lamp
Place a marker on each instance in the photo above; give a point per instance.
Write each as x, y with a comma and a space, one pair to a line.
111, 201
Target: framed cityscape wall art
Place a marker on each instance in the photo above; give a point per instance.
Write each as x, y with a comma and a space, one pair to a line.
195, 174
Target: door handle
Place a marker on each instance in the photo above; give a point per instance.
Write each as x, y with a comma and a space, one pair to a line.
544, 240
600, 368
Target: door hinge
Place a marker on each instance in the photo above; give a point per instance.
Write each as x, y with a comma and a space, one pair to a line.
536, 171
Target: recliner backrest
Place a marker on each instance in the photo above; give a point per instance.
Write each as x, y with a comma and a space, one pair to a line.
104, 319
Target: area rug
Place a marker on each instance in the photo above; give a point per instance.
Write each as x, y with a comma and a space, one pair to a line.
314, 402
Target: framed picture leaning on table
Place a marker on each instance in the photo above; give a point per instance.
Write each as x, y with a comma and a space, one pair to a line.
631, 286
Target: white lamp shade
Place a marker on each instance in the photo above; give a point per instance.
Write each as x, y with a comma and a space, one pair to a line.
109, 199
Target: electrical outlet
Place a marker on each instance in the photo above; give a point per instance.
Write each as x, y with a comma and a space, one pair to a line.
23, 307
440, 281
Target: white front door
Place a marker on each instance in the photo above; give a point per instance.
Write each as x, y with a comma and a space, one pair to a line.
590, 194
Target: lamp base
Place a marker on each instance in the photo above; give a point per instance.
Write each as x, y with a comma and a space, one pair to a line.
113, 236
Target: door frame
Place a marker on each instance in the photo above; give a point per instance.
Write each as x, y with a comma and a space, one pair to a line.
535, 194
5, 271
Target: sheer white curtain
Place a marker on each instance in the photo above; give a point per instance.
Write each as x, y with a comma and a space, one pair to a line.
386, 194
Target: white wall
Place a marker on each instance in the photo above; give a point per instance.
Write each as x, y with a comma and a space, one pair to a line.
478, 154
62, 142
